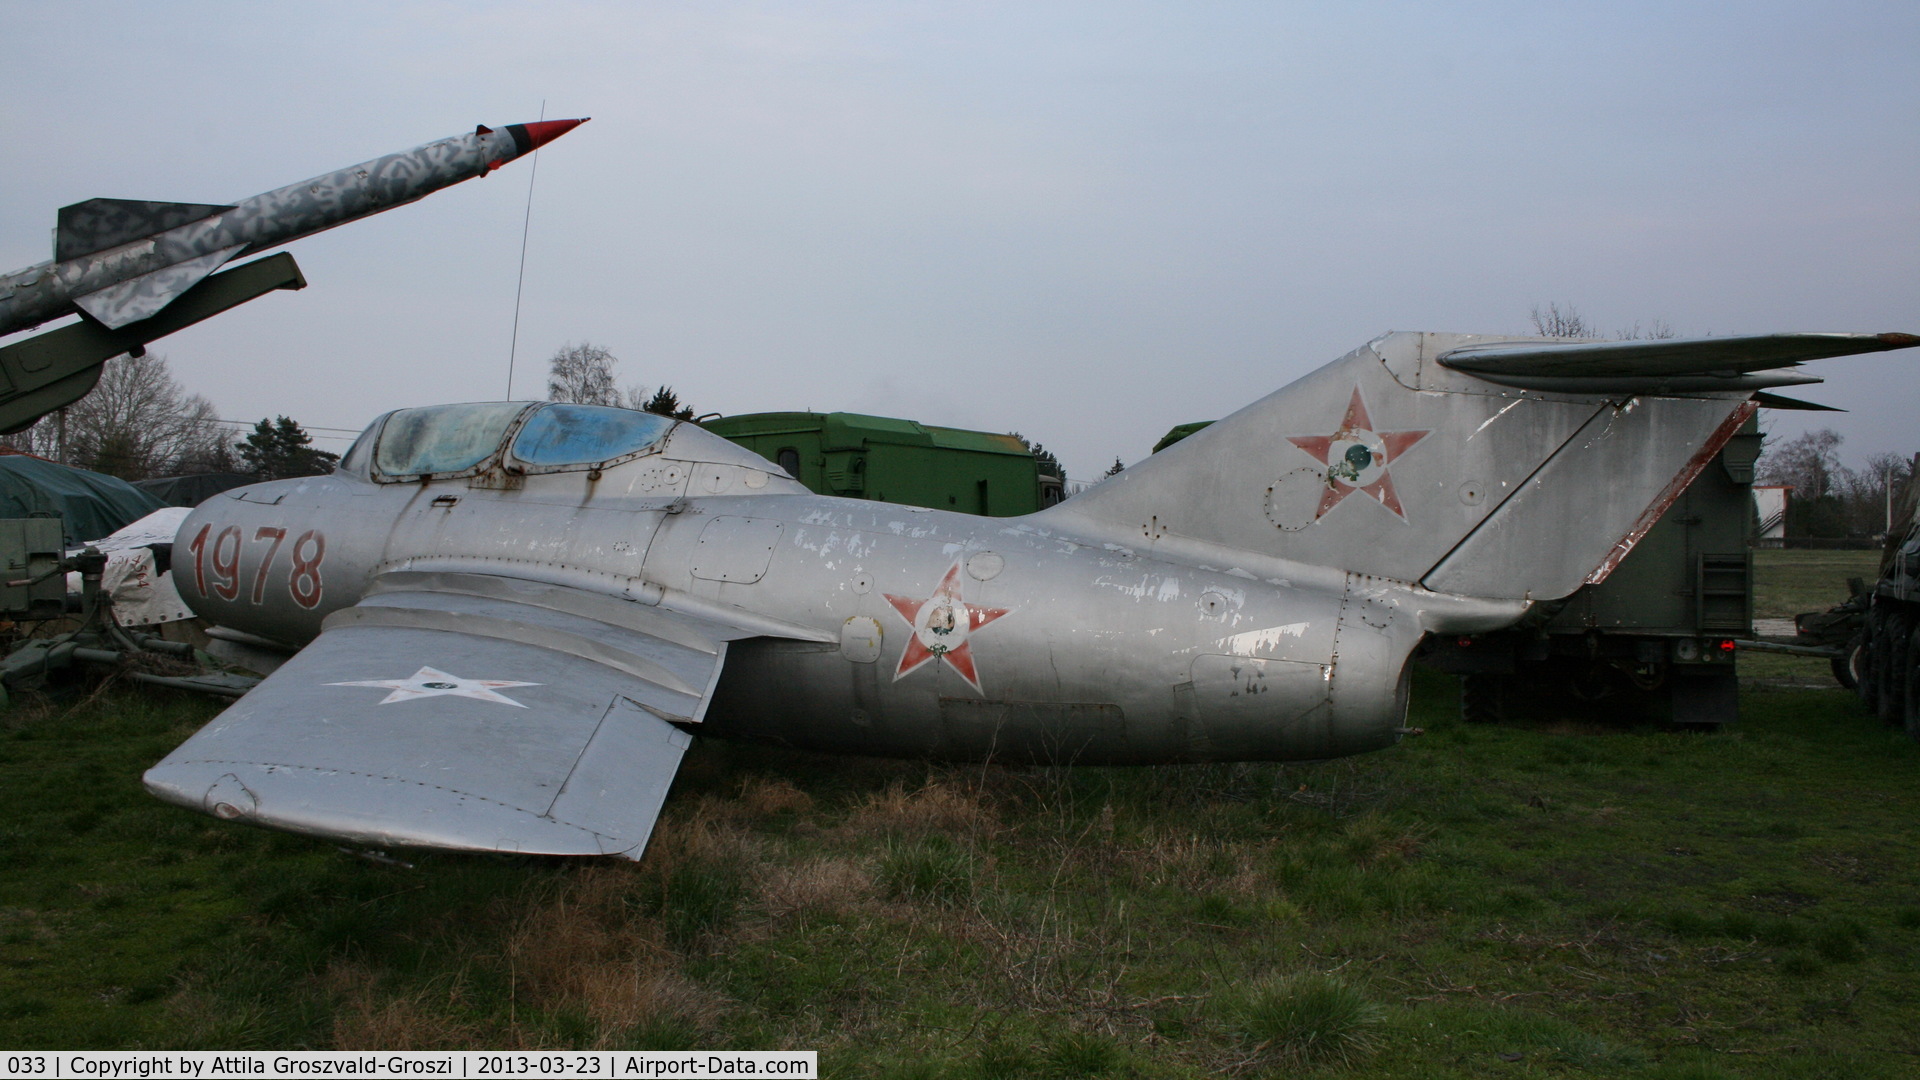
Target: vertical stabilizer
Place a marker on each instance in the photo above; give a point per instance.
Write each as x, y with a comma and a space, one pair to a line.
1390, 464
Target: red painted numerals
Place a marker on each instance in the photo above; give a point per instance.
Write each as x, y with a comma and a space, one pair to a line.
216, 565
304, 583
260, 578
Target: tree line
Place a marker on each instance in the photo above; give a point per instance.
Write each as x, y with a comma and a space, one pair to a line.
1830, 499
583, 373
140, 423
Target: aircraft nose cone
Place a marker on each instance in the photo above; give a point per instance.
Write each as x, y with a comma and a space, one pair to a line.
542, 132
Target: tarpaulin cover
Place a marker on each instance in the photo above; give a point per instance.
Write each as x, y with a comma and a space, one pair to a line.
193, 490
92, 504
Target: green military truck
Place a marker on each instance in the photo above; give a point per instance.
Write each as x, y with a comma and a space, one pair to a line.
1654, 640
898, 461
1883, 656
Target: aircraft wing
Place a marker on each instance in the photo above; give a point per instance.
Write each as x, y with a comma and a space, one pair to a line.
1671, 365
466, 712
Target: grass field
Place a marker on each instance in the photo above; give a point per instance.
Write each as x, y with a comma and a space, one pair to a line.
1787, 583
1508, 901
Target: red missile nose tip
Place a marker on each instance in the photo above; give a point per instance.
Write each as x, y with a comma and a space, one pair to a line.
542, 132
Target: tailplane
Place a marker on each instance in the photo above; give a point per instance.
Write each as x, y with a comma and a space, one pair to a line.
1495, 467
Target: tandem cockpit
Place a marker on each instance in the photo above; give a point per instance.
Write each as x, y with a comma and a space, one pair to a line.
510, 441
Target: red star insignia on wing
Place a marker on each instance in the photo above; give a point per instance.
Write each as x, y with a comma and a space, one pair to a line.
942, 624
1357, 457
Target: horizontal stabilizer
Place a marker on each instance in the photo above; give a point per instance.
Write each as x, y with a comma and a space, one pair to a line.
1775, 401
144, 296
1654, 384
1663, 366
1385, 464
99, 224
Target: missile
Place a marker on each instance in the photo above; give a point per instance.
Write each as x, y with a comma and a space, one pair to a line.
121, 260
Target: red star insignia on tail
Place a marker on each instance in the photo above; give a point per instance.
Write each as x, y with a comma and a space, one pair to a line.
941, 625
1357, 457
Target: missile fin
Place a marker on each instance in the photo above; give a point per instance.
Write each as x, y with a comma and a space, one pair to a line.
144, 296
99, 224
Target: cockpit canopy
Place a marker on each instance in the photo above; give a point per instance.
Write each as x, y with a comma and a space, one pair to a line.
448, 441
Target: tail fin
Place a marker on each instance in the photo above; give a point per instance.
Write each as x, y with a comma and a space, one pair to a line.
99, 224
1393, 461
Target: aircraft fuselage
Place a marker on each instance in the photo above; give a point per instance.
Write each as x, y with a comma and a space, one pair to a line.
931, 633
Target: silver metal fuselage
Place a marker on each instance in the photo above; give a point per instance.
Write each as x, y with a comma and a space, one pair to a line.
1083, 649
510, 615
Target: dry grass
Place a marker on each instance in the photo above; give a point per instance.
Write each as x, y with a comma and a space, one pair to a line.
1196, 864
364, 1018
589, 950
767, 797
936, 808
709, 830
939, 807
822, 886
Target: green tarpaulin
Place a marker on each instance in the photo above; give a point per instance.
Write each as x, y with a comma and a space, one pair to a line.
193, 490
93, 504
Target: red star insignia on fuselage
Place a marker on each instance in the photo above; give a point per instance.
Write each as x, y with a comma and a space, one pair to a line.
1357, 457
941, 625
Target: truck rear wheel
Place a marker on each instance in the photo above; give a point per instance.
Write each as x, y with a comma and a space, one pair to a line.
1864, 648
1911, 699
1846, 669
1890, 669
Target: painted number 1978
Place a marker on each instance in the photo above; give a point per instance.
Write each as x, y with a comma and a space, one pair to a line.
216, 565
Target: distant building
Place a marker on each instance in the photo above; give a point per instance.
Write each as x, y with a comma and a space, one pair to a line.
1770, 510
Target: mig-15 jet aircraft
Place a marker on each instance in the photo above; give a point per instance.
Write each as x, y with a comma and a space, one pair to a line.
512, 617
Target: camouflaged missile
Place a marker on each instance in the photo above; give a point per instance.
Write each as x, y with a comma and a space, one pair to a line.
120, 260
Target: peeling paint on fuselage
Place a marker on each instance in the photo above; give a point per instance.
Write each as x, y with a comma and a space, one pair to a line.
1132, 654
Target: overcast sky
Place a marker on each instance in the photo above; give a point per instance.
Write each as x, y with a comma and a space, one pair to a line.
1085, 222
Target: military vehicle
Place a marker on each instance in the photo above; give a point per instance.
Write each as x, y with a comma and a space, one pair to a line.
899, 461
512, 617
1655, 640
1884, 654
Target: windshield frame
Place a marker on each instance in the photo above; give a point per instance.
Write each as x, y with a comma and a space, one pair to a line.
518, 465
364, 457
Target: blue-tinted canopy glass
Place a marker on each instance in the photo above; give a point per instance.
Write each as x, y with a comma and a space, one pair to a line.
567, 434
444, 438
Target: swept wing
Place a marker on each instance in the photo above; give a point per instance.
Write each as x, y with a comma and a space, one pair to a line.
465, 712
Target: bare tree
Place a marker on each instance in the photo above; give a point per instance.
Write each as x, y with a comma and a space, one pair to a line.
1554, 322
1869, 494
41, 438
582, 373
138, 422
1656, 330
1809, 464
